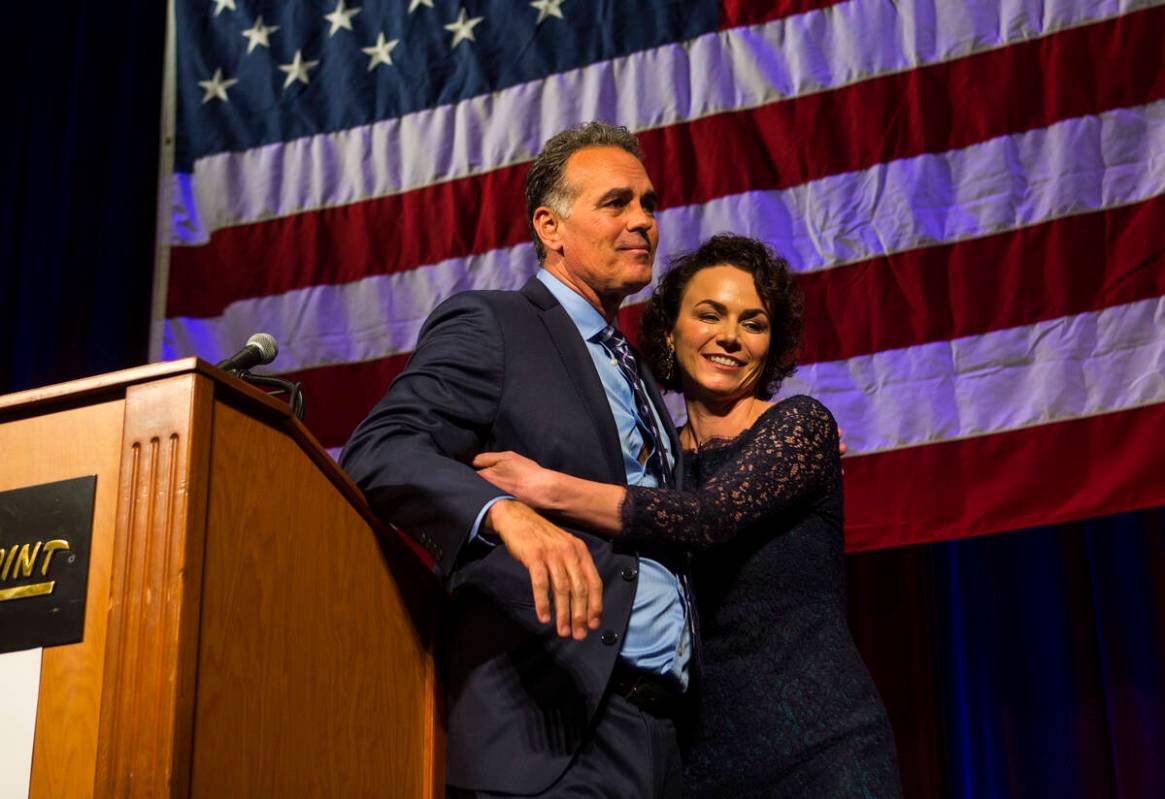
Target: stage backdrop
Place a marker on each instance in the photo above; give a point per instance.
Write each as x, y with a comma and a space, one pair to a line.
971, 193
1024, 664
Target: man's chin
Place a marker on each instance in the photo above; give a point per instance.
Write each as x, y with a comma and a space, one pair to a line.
637, 285
639, 274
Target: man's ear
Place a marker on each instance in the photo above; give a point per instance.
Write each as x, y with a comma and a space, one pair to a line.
548, 228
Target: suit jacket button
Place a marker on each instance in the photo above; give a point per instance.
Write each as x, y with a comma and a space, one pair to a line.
629, 573
610, 637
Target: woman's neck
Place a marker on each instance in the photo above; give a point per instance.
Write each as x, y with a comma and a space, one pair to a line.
708, 419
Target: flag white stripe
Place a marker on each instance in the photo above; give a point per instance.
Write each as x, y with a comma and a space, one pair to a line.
1076, 166
1053, 371
736, 69
349, 322
1068, 368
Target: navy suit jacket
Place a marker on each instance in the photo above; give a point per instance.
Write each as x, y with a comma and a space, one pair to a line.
501, 370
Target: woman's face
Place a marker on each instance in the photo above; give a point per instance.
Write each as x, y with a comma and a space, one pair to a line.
721, 335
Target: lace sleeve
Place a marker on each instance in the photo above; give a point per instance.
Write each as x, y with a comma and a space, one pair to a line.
791, 454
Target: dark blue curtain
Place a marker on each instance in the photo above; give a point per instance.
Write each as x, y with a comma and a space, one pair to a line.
79, 177
1027, 664
1023, 664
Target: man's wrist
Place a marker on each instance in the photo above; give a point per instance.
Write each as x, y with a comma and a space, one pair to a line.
496, 513
481, 530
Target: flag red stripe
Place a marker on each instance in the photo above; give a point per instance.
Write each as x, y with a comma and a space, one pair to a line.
339, 396
1084, 263
734, 13
936, 492
1042, 475
338, 245
932, 109
940, 107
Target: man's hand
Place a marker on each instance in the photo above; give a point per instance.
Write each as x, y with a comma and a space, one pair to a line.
557, 561
841, 447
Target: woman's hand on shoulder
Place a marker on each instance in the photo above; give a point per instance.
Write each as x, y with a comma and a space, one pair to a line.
518, 476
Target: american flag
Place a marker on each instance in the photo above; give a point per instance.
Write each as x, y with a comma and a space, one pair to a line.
972, 193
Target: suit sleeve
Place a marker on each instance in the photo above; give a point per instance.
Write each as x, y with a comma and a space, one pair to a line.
411, 455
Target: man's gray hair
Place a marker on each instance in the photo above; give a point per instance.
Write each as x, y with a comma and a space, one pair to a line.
544, 182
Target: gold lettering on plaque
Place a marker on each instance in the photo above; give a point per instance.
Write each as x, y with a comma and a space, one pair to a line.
25, 591
25, 560
49, 549
20, 561
8, 561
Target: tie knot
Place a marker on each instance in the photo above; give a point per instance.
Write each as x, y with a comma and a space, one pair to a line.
611, 338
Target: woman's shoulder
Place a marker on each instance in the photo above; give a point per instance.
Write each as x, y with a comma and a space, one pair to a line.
799, 412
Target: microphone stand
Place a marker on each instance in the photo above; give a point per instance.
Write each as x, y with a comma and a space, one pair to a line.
294, 391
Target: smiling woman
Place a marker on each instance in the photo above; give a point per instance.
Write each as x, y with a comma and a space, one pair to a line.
767, 282
721, 335
723, 327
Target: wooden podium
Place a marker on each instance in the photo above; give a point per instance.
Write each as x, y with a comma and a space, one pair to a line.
251, 630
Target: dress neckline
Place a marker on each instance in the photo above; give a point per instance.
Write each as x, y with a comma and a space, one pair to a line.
718, 443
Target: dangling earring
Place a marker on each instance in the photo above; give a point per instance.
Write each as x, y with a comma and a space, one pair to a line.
669, 364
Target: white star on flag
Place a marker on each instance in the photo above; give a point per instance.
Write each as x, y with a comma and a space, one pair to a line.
257, 34
547, 8
463, 28
219, 5
341, 17
216, 87
380, 53
413, 4
297, 69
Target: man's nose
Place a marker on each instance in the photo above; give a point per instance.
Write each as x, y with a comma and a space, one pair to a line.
641, 220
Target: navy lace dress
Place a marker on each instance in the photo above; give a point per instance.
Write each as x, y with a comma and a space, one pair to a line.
786, 707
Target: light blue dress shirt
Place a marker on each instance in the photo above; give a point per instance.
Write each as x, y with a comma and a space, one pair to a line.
658, 637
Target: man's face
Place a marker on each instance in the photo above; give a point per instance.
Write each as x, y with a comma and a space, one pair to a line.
606, 243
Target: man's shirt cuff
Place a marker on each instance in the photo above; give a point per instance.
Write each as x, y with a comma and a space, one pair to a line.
475, 531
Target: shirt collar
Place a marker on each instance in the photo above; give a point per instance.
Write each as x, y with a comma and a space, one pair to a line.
585, 316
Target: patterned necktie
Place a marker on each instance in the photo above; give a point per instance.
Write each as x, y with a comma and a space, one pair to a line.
616, 344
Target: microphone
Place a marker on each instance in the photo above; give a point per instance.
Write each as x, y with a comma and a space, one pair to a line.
260, 349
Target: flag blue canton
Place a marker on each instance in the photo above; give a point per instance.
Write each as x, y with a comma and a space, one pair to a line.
253, 73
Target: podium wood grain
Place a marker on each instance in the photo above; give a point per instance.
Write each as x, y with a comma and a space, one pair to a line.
251, 629
61, 445
266, 704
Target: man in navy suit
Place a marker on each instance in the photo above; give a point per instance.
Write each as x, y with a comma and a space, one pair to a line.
578, 701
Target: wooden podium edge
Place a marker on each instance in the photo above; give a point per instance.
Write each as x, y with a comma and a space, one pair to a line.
147, 701
157, 455
227, 388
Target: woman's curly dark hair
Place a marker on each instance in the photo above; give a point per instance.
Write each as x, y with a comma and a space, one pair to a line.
774, 283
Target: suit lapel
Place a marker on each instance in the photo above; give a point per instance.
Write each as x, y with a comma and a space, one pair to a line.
581, 369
